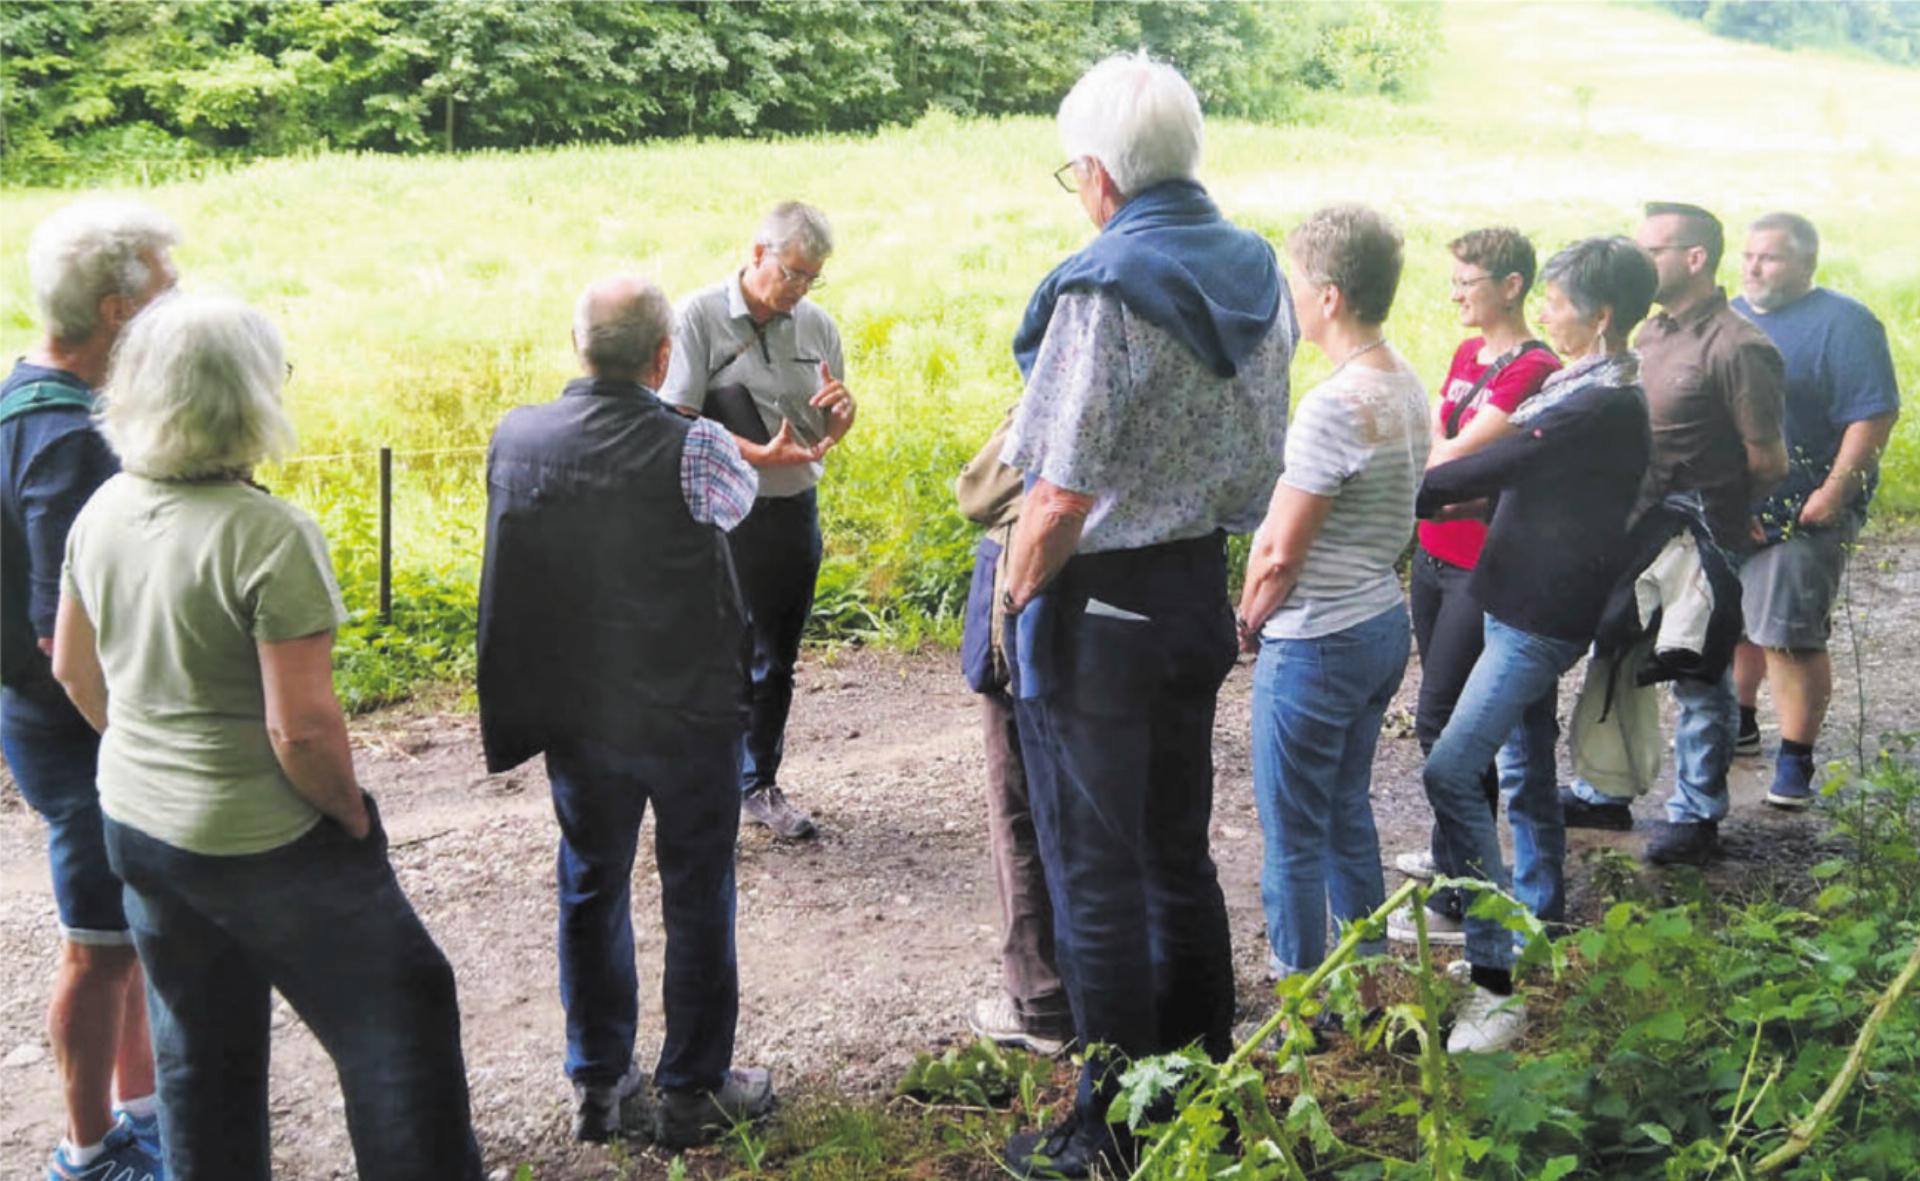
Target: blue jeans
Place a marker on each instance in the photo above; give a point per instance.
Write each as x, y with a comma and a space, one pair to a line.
324, 921
1514, 681
1119, 758
1703, 736
776, 556
54, 755
1317, 708
599, 797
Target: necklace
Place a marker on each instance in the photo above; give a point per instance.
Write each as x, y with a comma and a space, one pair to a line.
1375, 343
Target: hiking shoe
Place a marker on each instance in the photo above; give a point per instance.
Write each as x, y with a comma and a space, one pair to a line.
1578, 812
1416, 865
685, 1119
769, 806
1068, 1149
1690, 843
1443, 930
1487, 1023
602, 1112
1746, 744
1792, 783
1460, 971
998, 1019
122, 1158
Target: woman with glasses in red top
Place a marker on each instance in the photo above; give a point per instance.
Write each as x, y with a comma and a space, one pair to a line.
1491, 374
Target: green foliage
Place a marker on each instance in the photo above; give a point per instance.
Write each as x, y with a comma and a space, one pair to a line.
980, 1074
226, 77
1887, 29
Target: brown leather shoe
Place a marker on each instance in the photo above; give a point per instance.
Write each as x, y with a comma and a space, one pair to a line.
769, 806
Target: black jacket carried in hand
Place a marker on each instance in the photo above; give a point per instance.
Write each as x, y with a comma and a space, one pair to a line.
606, 611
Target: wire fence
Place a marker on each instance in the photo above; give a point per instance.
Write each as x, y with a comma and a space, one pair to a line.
385, 457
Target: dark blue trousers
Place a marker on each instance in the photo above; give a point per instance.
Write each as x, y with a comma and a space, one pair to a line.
776, 555
1119, 757
599, 796
324, 921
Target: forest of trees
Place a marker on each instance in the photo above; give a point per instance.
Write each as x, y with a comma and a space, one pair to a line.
1888, 29
92, 84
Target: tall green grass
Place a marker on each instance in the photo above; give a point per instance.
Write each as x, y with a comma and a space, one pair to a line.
424, 297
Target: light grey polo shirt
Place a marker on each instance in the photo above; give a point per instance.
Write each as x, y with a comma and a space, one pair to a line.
716, 343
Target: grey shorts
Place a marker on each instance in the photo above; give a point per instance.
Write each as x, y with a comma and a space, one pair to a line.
1787, 589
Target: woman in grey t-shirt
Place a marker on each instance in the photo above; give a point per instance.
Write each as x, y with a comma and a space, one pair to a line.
1322, 604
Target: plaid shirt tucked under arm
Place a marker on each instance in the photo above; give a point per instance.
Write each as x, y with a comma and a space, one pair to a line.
718, 483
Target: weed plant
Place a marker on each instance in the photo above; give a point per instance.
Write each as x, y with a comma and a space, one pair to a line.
422, 298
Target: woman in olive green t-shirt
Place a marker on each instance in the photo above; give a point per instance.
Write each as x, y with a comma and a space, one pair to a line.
195, 632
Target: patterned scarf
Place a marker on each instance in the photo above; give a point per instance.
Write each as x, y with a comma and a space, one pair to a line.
1600, 371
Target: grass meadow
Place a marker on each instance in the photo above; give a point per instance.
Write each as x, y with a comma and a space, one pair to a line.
422, 297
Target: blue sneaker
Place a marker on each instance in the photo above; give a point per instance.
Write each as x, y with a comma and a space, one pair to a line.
122, 1158
1792, 782
146, 1129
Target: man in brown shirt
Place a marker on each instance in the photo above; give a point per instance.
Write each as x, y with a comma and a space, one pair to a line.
1716, 391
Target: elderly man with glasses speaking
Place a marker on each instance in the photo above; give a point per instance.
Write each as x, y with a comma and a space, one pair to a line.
756, 355
1151, 425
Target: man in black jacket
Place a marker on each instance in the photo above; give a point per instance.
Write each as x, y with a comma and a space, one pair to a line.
612, 640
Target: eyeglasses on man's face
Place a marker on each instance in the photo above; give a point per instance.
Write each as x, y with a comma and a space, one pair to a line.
1067, 177
1462, 286
1656, 251
795, 277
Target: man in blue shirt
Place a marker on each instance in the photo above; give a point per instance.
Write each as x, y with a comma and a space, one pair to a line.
93, 265
1842, 401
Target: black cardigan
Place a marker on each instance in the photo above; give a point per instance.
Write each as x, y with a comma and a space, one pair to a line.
1566, 484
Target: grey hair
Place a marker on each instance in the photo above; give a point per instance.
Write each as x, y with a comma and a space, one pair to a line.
1613, 272
194, 390
1355, 249
1799, 231
87, 251
618, 324
1138, 117
797, 224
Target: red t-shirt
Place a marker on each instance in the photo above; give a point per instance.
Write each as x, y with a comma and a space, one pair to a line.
1458, 543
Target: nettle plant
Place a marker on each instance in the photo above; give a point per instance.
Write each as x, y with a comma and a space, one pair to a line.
1705, 1038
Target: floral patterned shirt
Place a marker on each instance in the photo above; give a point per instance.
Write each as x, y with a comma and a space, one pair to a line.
1116, 409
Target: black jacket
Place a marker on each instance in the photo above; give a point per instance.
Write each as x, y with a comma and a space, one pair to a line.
1566, 487
606, 611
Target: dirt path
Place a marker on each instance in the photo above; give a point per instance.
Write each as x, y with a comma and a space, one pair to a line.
857, 950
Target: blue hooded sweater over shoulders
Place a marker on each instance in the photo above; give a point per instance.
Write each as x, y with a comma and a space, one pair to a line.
1169, 256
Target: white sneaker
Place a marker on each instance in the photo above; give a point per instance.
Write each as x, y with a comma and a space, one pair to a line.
1442, 930
1487, 1022
1459, 971
1417, 865
996, 1018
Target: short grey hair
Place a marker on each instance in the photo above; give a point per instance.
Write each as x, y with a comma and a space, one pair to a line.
1799, 231
194, 390
1355, 249
618, 324
797, 224
87, 251
1613, 271
1138, 117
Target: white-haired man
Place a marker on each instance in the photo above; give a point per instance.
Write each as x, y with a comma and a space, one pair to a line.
613, 641
1152, 423
1842, 401
93, 265
756, 355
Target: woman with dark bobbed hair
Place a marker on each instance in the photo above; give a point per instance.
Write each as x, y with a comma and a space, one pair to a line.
194, 632
1566, 482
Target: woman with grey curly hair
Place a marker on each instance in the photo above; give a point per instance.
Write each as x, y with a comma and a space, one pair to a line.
195, 632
